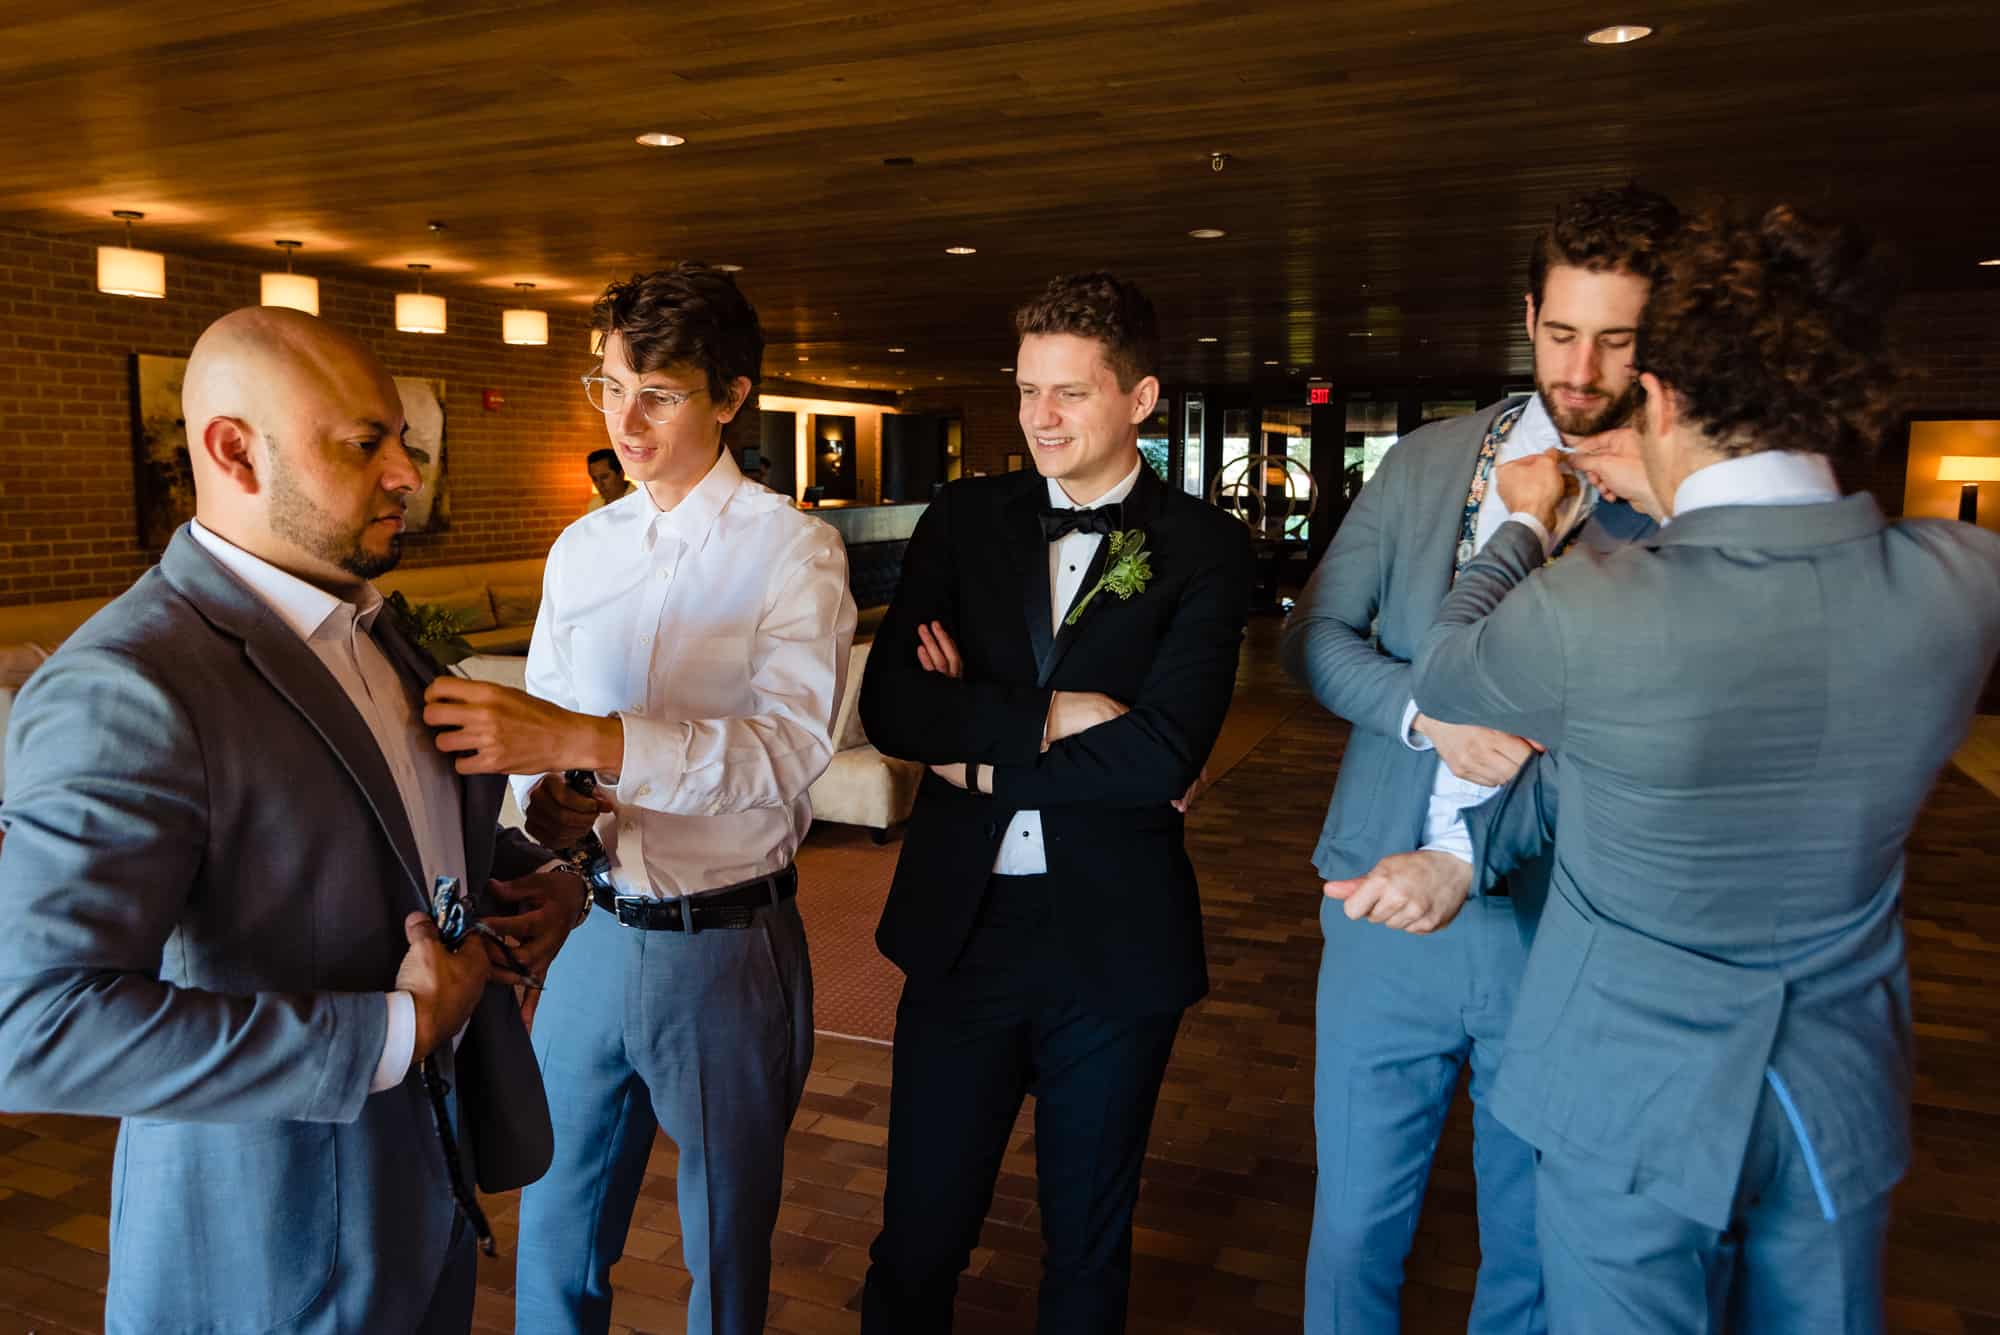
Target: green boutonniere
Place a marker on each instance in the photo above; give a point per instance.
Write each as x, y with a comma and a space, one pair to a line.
431, 628
1126, 571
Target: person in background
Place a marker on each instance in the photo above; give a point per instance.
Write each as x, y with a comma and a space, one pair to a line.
607, 475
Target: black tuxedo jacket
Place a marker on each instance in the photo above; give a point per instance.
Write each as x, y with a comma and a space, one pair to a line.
1129, 914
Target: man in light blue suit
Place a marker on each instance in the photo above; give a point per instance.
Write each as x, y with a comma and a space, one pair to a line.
1398, 1016
223, 819
1711, 1047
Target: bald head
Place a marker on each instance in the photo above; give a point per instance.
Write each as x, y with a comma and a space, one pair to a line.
295, 434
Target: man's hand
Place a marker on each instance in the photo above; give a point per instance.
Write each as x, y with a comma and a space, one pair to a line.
1411, 892
1475, 754
1186, 800
545, 907
1535, 485
1072, 712
496, 729
557, 815
937, 652
1615, 467
444, 984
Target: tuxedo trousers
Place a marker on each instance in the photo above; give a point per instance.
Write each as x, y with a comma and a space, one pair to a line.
970, 1045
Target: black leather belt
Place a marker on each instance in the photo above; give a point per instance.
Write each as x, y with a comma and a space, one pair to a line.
731, 908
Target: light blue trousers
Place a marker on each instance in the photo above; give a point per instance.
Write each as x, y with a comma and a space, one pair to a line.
705, 1036
1398, 1016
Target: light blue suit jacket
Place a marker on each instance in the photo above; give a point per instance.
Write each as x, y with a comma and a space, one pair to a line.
204, 879
1364, 611
1748, 710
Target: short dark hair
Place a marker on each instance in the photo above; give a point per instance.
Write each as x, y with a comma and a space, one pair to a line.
607, 456
1104, 307
1622, 228
1774, 332
689, 315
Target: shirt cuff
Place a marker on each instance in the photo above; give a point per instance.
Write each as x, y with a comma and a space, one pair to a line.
1534, 526
1456, 841
399, 1044
1413, 739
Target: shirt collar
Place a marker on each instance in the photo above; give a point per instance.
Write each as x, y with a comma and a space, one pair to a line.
1059, 499
303, 607
1532, 434
1768, 477
690, 521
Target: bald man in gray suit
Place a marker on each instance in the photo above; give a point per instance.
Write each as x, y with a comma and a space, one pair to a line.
1711, 1049
223, 819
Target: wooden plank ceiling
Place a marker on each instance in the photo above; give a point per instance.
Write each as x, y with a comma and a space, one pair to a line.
1388, 160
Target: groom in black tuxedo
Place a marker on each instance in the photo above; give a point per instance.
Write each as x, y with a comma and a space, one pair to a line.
1061, 654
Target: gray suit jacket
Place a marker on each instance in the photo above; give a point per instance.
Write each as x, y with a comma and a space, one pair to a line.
205, 874
1749, 709
1363, 613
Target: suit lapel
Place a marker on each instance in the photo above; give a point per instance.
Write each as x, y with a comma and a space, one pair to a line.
1139, 511
284, 661
479, 795
1029, 552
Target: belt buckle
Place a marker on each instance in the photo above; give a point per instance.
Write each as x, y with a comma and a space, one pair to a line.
630, 910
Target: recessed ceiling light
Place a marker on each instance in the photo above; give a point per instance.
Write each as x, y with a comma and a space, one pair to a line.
1272, 362
899, 349
1207, 233
1990, 264
1618, 34
660, 139
805, 359
1361, 333
1007, 370
730, 268
1206, 338
961, 250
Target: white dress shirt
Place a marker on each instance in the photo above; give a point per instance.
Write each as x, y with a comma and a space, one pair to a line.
718, 632
1021, 851
1444, 819
338, 634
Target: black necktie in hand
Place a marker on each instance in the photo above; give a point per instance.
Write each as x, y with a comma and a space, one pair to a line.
1057, 524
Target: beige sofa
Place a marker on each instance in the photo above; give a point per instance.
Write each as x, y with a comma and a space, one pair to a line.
500, 599
862, 786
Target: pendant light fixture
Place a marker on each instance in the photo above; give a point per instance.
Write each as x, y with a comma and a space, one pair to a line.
525, 328
419, 312
298, 291
125, 272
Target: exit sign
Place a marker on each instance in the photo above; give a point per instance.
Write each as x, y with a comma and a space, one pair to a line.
1318, 395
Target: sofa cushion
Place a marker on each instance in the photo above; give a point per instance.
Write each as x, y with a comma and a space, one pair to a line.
516, 604
470, 602
501, 640
17, 661
847, 730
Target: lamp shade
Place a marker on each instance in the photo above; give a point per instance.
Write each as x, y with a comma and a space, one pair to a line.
419, 313
124, 272
1969, 468
296, 290
524, 328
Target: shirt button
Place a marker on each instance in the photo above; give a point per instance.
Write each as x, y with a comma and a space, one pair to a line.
625, 826
644, 788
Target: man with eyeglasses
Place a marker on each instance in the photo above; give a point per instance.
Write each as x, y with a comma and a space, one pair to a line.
690, 652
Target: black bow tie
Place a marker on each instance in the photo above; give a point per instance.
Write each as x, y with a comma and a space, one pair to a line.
1057, 524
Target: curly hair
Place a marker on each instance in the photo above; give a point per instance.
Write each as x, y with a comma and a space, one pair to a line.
689, 315
1619, 228
1774, 332
1106, 308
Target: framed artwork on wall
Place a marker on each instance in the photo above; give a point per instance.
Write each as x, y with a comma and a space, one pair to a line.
162, 477
428, 508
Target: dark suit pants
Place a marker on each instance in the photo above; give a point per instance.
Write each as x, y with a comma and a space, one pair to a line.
1619, 1261
1002, 1023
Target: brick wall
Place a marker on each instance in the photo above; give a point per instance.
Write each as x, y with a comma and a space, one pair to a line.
1951, 342
990, 418
67, 522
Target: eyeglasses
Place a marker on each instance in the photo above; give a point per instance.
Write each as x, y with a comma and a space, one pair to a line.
658, 405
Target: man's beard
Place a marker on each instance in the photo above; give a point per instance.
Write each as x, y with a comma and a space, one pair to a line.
298, 519
1608, 415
